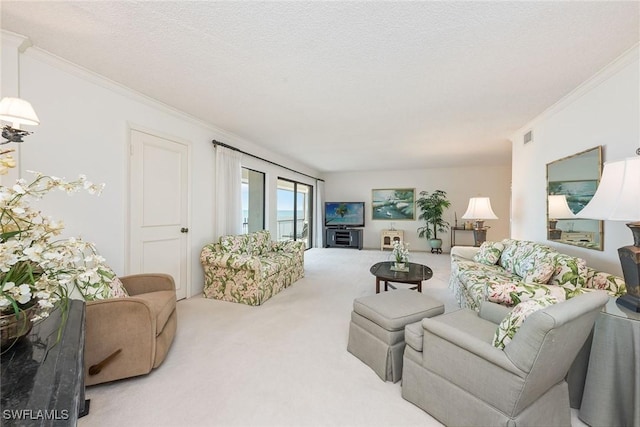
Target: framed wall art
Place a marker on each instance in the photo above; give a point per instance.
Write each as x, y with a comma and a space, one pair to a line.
393, 204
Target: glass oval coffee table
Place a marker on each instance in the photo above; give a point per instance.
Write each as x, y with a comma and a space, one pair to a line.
415, 276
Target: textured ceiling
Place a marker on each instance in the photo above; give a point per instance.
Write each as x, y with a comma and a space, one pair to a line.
345, 85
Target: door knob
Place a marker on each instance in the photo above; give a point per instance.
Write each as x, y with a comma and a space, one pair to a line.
184, 230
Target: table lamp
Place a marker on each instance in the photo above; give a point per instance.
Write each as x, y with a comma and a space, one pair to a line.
18, 112
618, 199
479, 209
558, 209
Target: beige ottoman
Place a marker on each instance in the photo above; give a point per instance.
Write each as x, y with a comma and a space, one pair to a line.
376, 332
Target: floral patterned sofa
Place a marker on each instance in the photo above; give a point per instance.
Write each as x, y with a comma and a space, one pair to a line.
250, 268
512, 271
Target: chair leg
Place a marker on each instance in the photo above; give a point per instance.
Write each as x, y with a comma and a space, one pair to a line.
95, 369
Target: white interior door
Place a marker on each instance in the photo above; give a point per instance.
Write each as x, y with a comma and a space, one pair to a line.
159, 193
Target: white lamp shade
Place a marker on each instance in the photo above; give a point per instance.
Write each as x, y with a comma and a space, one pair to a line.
18, 111
479, 208
618, 195
558, 207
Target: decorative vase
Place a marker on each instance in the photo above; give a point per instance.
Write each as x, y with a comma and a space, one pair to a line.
14, 326
435, 243
400, 265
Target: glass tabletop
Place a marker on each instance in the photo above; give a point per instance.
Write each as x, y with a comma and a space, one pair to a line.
416, 273
617, 310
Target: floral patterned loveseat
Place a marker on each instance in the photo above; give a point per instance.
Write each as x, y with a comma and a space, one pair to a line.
512, 271
250, 268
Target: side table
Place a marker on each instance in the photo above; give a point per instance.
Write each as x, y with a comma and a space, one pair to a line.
455, 230
612, 387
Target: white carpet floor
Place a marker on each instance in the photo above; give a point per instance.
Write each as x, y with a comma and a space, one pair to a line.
284, 363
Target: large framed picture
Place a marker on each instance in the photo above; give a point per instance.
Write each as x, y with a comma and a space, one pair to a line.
393, 204
578, 193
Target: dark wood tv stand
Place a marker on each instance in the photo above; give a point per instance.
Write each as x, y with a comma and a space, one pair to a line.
343, 238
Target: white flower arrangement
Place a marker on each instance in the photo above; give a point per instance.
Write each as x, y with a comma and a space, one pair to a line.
400, 252
35, 267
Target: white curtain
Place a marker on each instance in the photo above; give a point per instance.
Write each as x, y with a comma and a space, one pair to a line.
319, 221
228, 201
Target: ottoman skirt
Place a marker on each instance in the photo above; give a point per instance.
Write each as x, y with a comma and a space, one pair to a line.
376, 331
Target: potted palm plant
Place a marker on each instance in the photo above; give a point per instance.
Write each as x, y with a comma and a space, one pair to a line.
432, 207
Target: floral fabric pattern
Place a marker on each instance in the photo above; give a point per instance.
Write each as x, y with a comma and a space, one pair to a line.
614, 285
105, 285
533, 262
510, 325
489, 253
520, 276
508, 257
570, 272
250, 268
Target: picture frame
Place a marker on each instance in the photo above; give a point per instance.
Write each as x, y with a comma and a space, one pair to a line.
397, 204
578, 193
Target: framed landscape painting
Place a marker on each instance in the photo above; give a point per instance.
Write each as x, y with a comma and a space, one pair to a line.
578, 193
393, 203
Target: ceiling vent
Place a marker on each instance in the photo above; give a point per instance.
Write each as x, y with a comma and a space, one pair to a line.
528, 137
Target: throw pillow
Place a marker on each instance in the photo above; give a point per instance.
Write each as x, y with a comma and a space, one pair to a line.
117, 289
541, 270
614, 285
489, 253
239, 244
100, 284
514, 320
535, 263
260, 242
570, 272
507, 259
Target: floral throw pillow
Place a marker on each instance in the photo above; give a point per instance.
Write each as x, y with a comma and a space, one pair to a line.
489, 253
614, 285
239, 244
541, 269
117, 288
569, 271
100, 283
514, 320
534, 263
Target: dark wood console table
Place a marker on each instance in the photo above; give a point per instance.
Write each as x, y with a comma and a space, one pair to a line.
455, 230
43, 378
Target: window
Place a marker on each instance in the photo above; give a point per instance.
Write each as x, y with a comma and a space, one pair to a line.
295, 221
252, 200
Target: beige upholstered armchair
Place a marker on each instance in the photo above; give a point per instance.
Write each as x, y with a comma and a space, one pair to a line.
126, 337
452, 371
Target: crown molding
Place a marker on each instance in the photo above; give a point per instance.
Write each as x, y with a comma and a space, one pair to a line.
15, 39
622, 61
24, 45
111, 85
95, 78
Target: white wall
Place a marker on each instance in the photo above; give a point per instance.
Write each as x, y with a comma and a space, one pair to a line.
602, 111
459, 183
84, 128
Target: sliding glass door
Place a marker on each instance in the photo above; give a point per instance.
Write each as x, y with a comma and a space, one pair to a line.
252, 200
295, 207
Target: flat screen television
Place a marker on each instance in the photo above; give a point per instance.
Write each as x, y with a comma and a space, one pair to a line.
343, 214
